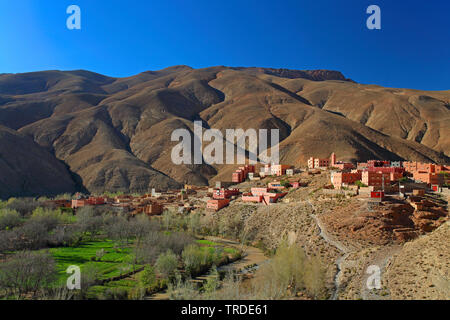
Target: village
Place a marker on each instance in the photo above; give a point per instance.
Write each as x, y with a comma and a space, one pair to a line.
374, 180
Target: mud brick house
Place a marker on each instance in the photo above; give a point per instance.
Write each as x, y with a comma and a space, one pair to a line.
275, 185
279, 169
91, 201
225, 193
375, 179
295, 184
217, 204
339, 164
429, 173
150, 209
315, 163
429, 178
262, 195
339, 179
414, 166
241, 174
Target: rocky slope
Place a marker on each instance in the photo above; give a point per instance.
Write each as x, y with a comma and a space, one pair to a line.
28, 169
115, 134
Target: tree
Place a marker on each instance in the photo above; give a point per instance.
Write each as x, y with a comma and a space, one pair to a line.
167, 264
194, 259
89, 221
9, 219
24, 206
27, 272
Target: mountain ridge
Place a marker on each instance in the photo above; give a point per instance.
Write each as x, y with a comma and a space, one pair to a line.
114, 133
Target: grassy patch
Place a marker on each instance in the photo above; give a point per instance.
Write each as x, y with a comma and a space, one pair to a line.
114, 262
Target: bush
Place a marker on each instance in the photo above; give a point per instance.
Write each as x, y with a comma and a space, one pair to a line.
115, 294
167, 264
212, 283
147, 277
360, 184
182, 290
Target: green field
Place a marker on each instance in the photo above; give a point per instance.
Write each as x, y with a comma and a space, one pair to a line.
210, 245
114, 262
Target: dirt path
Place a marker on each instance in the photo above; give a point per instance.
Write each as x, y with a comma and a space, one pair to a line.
251, 256
339, 245
382, 260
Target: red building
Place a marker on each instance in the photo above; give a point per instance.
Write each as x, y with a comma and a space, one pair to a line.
339, 164
225, 193
315, 163
375, 179
338, 179
217, 204
92, 201
241, 174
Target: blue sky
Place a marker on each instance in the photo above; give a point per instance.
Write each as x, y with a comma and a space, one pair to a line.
122, 38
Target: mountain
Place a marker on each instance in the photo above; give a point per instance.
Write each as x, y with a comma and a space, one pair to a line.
28, 169
114, 134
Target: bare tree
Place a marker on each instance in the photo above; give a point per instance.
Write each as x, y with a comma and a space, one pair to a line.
27, 273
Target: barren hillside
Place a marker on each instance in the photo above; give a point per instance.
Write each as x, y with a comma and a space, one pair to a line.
115, 134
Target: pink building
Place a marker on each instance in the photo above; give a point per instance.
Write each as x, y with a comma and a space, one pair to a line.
339, 164
376, 179
338, 179
241, 174
315, 163
217, 204
262, 195
279, 169
225, 193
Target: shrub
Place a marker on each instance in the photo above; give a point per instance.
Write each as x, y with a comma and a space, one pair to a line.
182, 290
147, 277
360, 184
115, 294
212, 283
